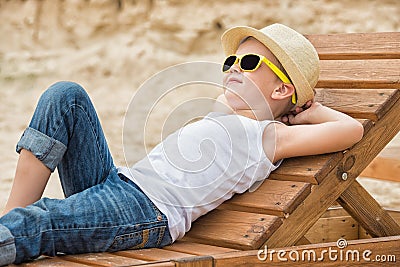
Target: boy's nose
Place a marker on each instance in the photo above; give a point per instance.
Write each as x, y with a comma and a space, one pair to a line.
235, 68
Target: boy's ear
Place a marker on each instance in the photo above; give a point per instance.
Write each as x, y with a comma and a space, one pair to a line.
284, 90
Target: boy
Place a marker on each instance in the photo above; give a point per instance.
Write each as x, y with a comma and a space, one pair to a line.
270, 75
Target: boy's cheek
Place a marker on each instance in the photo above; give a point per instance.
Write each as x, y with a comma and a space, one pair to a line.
224, 79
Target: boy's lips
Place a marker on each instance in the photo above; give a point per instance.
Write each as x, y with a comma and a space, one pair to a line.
233, 79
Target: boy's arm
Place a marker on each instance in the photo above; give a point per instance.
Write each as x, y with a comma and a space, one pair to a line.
317, 130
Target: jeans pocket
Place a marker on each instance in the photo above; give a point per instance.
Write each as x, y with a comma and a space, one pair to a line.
136, 239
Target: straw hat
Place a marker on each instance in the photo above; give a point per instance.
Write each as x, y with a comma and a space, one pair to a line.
296, 54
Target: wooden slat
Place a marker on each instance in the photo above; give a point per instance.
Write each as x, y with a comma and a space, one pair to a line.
152, 254
197, 249
178, 258
233, 229
160, 264
357, 45
332, 228
387, 169
303, 241
359, 103
340, 211
378, 246
386, 165
199, 261
395, 214
362, 233
335, 211
311, 169
374, 73
364, 208
157, 264
339, 224
273, 197
50, 262
323, 195
102, 259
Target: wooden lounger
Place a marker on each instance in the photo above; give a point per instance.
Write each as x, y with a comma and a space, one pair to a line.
360, 76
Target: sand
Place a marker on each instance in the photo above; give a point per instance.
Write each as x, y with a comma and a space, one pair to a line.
112, 47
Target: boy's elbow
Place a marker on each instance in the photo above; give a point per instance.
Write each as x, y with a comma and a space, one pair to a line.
357, 131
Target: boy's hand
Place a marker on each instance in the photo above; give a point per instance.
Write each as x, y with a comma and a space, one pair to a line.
313, 113
300, 114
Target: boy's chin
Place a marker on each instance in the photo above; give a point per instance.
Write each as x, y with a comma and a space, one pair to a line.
239, 103
235, 102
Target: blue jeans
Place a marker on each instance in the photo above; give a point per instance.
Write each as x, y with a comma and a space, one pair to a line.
102, 211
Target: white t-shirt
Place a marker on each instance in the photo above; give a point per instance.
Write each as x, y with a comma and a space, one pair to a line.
201, 165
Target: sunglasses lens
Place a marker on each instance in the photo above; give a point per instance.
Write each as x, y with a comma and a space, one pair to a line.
229, 61
249, 62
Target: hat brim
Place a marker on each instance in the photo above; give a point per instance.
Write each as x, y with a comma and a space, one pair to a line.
232, 38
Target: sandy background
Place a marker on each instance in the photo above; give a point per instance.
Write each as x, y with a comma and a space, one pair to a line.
111, 47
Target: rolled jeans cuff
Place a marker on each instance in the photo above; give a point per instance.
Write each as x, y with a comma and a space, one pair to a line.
48, 150
8, 251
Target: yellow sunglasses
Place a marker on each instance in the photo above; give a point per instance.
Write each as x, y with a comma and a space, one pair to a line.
251, 62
